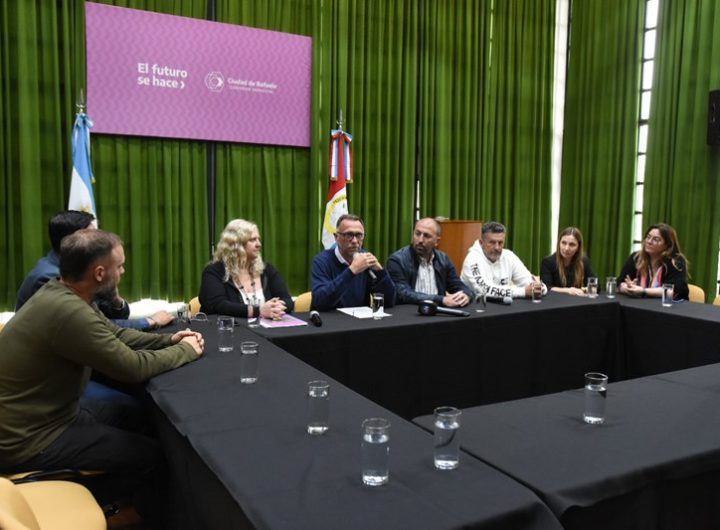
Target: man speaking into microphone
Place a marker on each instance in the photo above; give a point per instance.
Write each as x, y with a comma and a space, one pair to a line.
346, 275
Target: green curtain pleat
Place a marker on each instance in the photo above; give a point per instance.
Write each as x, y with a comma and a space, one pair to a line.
459, 92
36, 91
600, 131
453, 70
486, 120
369, 70
682, 173
271, 185
152, 192
515, 174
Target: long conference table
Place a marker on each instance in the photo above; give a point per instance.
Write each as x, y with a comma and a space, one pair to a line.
240, 457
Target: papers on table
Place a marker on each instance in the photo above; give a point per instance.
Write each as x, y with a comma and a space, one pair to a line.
286, 321
147, 306
360, 312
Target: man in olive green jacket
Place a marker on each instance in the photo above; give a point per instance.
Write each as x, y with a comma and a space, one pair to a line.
47, 351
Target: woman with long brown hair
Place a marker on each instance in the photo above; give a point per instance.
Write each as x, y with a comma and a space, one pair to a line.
659, 261
567, 270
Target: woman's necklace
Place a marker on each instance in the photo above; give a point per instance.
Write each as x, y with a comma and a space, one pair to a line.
250, 293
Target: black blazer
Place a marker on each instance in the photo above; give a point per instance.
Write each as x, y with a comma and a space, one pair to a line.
550, 275
219, 297
674, 274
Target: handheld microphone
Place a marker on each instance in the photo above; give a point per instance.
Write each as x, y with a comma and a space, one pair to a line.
494, 299
430, 308
370, 272
315, 318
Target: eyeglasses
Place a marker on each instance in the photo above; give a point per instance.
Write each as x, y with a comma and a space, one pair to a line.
653, 239
349, 236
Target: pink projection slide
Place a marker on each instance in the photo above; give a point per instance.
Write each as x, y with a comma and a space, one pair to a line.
150, 74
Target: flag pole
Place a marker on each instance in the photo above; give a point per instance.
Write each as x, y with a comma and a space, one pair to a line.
340, 172
81, 196
80, 102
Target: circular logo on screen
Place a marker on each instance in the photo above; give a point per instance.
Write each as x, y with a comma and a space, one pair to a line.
215, 81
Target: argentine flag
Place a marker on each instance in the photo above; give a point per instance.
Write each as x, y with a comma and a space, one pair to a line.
81, 192
341, 171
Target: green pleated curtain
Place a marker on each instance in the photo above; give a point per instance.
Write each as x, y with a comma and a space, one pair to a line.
682, 175
272, 185
368, 68
600, 130
38, 90
378, 61
487, 79
364, 56
517, 145
454, 73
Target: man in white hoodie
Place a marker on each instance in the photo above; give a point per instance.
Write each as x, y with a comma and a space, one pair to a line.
491, 270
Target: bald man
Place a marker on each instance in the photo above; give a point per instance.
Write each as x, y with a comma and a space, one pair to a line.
422, 272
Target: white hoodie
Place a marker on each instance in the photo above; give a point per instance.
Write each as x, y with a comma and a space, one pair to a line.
505, 277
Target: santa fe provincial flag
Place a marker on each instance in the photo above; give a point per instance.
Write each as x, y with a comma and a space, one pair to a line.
340, 169
81, 192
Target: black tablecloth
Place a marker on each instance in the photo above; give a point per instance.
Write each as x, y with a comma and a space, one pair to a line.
654, 463
252, 439
660, 339
410, 364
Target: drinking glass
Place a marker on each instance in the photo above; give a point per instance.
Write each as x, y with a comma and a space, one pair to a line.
318, 407
667, 294
226, 327
181, 312
537, 293
447, 440
375, 451
592, 287
249, 362
595, 395
611, 287
378, 305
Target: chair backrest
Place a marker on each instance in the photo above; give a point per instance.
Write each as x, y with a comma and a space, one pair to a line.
696, 294
15, 512
303, 302
194, 306
717, 300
